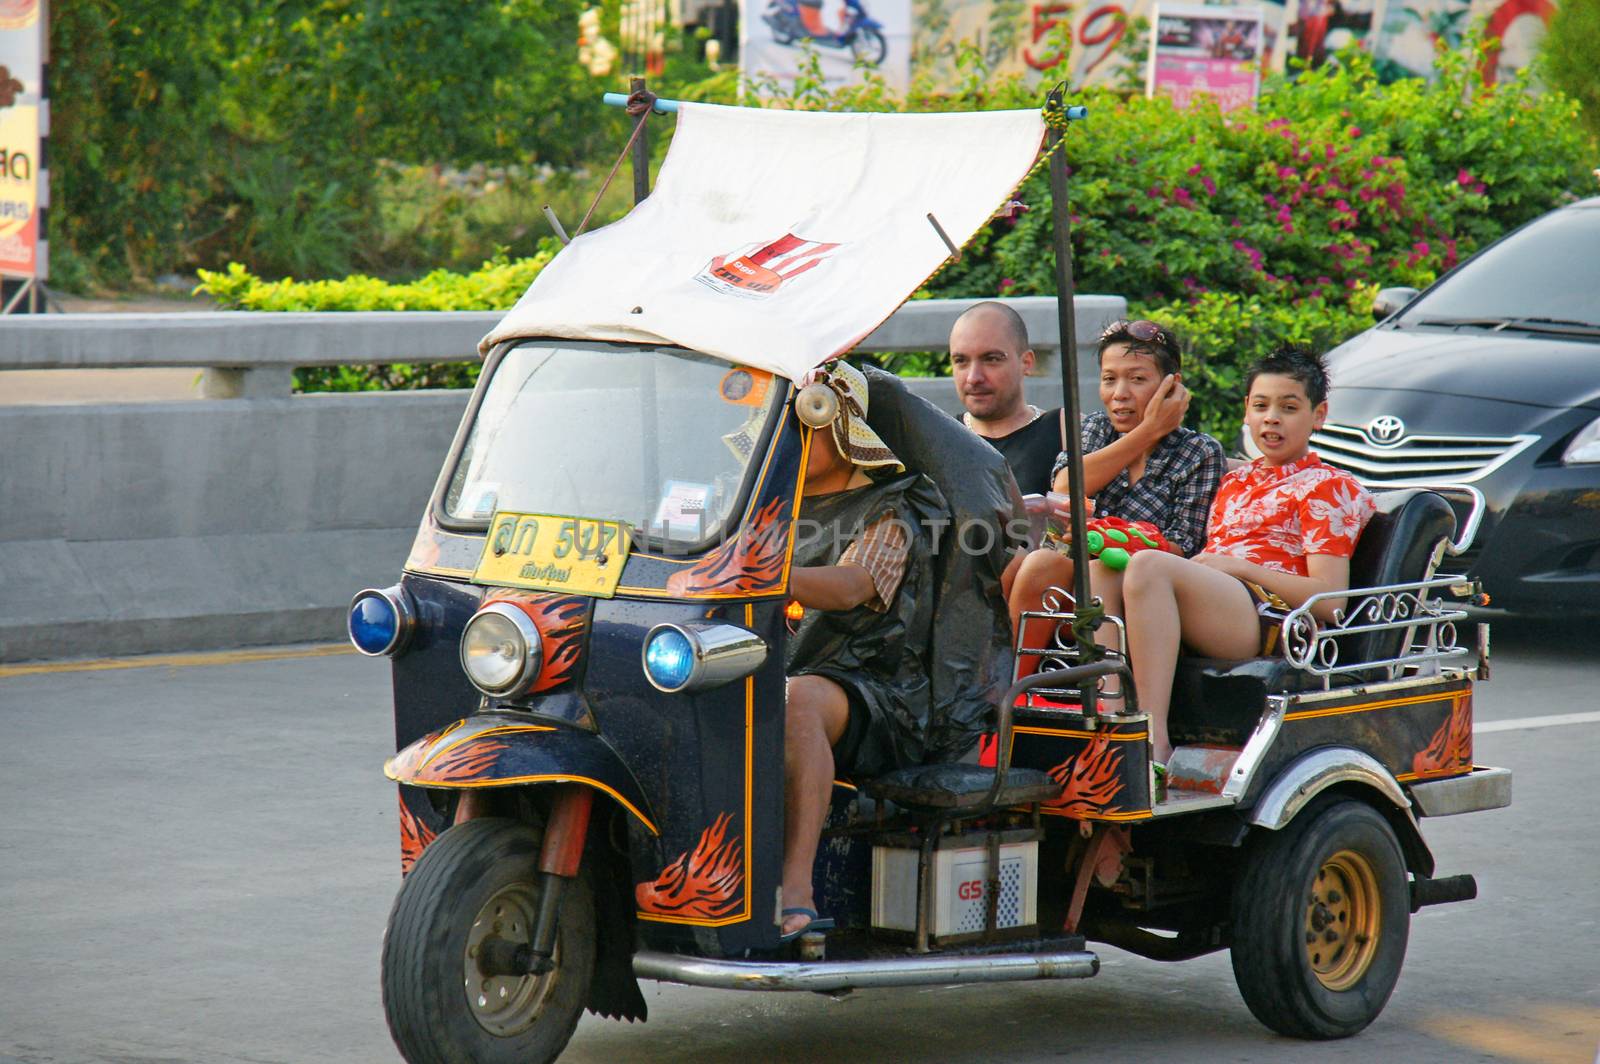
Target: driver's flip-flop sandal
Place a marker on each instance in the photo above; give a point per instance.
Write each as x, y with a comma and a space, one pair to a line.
816, 923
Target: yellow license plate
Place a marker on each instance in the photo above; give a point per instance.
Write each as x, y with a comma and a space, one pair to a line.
549, 552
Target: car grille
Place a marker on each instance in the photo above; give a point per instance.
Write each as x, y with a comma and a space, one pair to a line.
1416, 459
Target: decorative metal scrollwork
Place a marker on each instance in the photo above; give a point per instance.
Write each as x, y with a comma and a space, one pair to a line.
1418, 613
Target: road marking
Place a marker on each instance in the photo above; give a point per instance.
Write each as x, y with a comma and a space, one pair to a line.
1518, 723
176, 661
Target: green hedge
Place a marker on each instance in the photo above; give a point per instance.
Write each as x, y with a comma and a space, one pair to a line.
1244, 230
494, 286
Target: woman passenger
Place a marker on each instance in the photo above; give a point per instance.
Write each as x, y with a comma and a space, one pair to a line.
1282, 529
1140, 463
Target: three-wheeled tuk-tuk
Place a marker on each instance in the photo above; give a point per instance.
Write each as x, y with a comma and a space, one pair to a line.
588, 652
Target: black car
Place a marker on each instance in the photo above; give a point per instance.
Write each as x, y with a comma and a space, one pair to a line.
1490, 381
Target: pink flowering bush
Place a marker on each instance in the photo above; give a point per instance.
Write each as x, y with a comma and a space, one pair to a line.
1257, 227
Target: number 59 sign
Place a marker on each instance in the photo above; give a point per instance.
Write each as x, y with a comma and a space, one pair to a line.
1093, 40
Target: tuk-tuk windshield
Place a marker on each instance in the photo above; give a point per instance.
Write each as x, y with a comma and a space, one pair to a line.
661, 438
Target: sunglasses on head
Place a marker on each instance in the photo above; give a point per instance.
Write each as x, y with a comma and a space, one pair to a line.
1146, 332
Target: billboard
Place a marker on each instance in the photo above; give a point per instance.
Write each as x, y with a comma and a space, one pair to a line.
848, 37
1206, 51
24, 118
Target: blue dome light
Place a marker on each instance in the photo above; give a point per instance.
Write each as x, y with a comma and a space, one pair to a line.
374, 624
669, 659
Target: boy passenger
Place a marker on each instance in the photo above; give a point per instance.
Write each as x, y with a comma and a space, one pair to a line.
1282, 529
1140, 463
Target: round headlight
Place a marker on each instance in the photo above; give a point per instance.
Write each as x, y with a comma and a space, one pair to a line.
380, 621
668, 659
500, 650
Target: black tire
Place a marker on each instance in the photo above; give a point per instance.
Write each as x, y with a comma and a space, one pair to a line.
442, 907
868, 46
1321, 915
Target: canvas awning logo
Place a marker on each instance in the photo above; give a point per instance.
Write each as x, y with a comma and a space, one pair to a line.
757, 270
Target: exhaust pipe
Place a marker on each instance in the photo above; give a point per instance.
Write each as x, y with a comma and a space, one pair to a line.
1441, 891
827, 977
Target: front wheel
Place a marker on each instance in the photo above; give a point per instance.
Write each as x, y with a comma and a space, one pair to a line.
868, 46
471, 898
1321, 915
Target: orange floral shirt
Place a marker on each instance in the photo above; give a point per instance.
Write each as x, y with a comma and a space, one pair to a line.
1277, 515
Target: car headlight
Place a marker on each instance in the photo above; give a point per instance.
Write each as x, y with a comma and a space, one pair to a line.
381, 620
500, 650
696, 655
1585, 446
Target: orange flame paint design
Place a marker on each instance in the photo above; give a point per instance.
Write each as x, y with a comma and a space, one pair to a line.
562, 621
1450, 749
414, 837
1089, 779
749, 565
466, 762
705, 882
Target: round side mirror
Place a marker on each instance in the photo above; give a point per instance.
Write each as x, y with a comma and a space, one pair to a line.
1390, 300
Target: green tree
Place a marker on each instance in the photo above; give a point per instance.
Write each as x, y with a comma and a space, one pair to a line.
1569, 51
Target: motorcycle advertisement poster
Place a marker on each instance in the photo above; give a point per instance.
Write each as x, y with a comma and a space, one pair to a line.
848, 37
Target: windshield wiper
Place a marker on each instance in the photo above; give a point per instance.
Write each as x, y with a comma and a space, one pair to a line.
1468, 323
1556, 326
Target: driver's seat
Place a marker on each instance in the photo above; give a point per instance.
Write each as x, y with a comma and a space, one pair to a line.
954, 791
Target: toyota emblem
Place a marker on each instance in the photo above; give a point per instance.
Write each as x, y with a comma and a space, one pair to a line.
1386, 431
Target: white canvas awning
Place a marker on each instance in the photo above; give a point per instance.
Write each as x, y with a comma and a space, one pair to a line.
779, 239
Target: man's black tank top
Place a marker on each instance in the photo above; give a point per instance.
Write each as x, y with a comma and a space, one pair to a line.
1031, 451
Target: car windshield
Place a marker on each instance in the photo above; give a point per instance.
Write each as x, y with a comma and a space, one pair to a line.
1544, 276
659, 438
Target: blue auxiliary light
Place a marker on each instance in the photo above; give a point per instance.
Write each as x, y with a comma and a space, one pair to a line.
378, 621
668, 659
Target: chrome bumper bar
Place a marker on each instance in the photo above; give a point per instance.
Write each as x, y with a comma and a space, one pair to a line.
832, 976
1485, 788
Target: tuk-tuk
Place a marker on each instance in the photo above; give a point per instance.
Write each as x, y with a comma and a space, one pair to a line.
588, 648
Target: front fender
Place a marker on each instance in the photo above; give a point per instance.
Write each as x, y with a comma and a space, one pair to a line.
498, 749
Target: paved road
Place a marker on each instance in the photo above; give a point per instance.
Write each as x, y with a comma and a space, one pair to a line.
197, 859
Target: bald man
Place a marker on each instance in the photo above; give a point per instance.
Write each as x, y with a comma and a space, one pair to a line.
989, 357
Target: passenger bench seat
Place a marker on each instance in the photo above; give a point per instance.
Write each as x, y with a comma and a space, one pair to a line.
1216, 700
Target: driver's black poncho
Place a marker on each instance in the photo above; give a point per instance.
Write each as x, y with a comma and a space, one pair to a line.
881, 657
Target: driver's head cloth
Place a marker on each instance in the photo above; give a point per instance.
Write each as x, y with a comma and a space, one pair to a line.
851, 433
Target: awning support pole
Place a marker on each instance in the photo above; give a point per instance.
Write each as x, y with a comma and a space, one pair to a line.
1061, 239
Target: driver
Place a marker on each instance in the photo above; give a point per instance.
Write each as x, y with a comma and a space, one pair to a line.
858, 692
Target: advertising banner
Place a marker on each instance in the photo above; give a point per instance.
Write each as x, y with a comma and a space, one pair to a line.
22, 121
1322, 27
1411, 32
1206, 51
848, 37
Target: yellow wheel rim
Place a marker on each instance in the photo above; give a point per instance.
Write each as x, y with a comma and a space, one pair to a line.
1343, 920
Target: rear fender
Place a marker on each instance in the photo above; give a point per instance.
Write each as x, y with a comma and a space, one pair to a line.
499, 749
1346, 771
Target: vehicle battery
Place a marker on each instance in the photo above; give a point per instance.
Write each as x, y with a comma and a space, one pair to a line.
959, 883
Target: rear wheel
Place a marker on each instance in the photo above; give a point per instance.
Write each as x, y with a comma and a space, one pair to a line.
448, 990
868, 46
1321, 916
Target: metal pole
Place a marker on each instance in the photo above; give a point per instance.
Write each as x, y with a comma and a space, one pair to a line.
640, 155
1061, 239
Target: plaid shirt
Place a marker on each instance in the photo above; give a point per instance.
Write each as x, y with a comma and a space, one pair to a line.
1180, 480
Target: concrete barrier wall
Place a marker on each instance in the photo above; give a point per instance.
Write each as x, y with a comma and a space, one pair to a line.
143, 527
